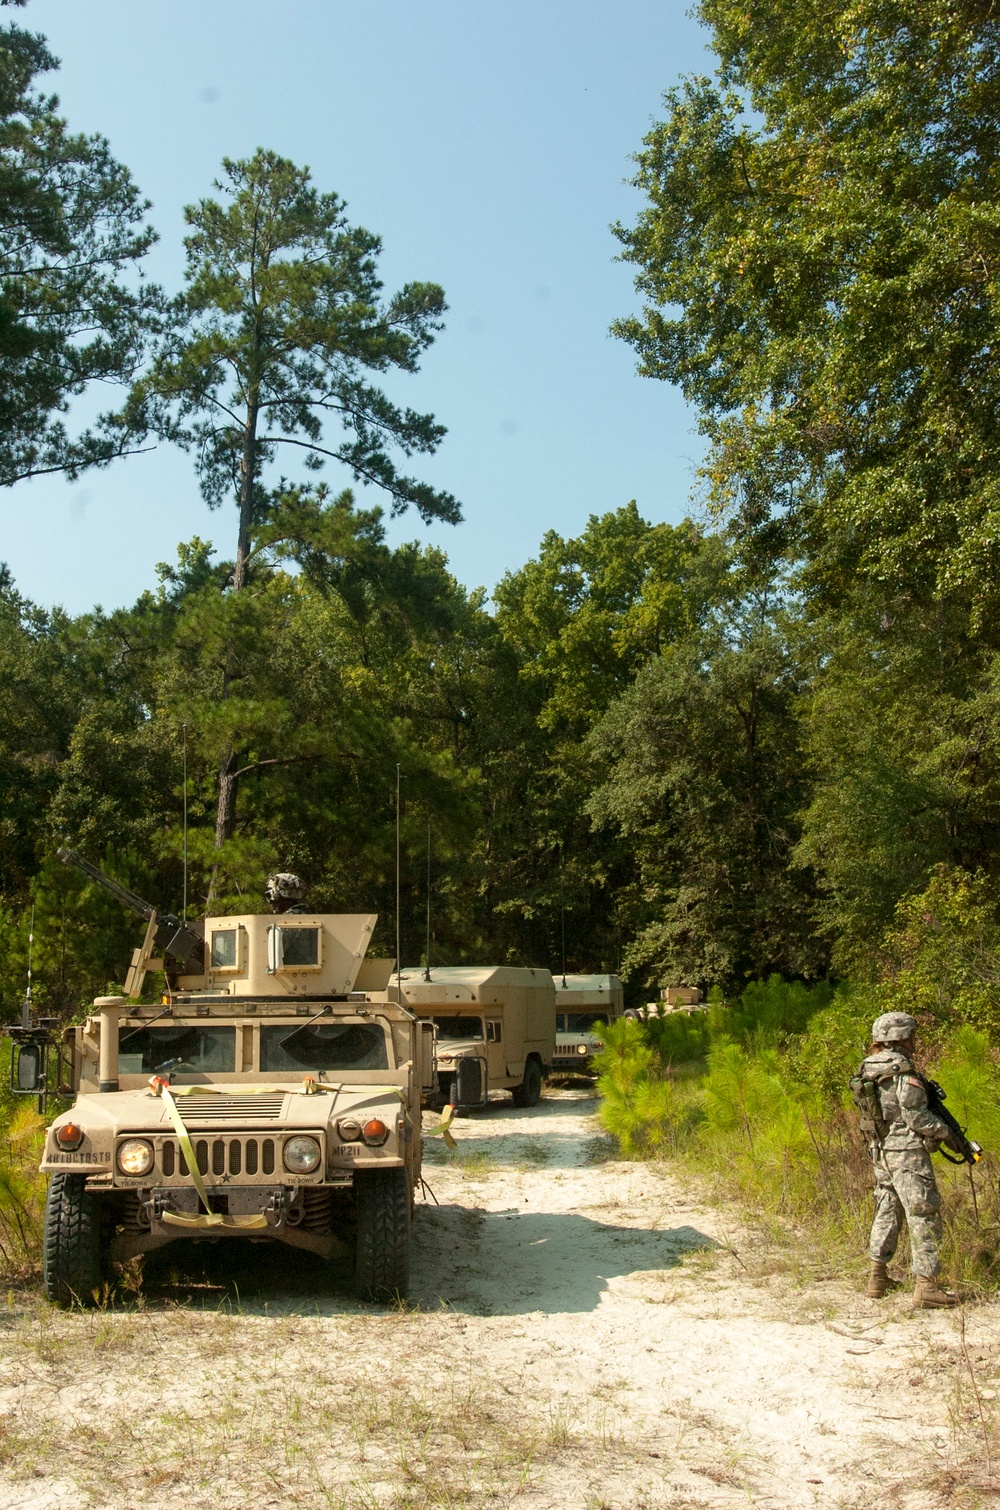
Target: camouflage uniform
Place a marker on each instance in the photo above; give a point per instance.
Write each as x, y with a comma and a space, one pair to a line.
904, 1178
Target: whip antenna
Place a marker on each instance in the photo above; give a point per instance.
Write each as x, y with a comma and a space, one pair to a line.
399, 995
184, 912
26, 1008
427, 949
562, 910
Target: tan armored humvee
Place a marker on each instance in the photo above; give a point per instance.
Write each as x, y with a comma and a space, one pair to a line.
495, 1028
582, 1003
273, 1094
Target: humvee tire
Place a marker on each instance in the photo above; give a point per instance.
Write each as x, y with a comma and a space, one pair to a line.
382, 1261
529, 1092
73, 1263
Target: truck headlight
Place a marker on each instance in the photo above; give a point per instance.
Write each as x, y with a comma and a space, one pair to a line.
301, 1155
135, 1156
582, 1048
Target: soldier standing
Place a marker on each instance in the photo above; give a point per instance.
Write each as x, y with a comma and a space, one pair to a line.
903, 1133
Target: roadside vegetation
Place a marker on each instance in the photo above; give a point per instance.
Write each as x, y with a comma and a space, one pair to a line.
754, 1095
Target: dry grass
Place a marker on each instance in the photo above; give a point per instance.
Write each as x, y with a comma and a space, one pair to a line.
355, 1412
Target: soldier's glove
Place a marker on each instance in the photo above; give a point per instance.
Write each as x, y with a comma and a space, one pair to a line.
932, 1144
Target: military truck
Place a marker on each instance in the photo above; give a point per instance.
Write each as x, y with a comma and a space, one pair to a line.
494, 1025
273, 1093
583, 1002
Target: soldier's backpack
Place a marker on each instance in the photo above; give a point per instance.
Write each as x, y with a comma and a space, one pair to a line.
866, 1099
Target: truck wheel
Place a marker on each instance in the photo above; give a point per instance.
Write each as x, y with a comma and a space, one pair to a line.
73, 1264
529, 1092
382, 1262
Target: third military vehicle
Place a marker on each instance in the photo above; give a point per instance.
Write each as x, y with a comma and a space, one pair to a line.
583, 1004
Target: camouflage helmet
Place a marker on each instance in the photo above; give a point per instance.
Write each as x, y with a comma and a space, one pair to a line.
893, 1027
285, 887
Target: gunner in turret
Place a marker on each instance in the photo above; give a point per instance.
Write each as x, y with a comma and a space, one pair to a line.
285, 892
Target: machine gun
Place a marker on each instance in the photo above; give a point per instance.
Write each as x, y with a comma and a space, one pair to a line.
968, 1150
180, 948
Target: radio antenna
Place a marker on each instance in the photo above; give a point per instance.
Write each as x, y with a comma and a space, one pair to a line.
26, 1008
399, 994
184, 911
562, 910
427, 949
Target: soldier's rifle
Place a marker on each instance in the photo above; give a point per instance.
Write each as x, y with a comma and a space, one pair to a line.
968, 1150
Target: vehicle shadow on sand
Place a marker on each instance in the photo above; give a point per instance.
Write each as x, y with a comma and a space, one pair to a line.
510, 1263
487, 1263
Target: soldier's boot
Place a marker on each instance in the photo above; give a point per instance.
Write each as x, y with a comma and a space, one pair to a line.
929, 1296
878, 1279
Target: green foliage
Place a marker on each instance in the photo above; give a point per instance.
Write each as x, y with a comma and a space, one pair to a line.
941, 958
678, 1037
639, 1105
814, 260
72, 233
282, 318
703, 779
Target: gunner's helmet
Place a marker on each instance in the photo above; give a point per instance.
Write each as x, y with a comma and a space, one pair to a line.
284, 888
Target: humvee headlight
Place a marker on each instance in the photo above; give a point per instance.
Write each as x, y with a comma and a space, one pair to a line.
375, 1132
582, 1048
350, 1131
69, 1135
135, 1156
301, 1155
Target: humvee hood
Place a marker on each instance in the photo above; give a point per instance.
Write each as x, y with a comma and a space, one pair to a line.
236, 1106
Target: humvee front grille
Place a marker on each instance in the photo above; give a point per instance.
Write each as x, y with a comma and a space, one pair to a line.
231, 1108
244, 1159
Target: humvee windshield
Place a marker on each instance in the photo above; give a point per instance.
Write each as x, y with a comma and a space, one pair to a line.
578, 1022
182, 1048
459, 1027
324, 1046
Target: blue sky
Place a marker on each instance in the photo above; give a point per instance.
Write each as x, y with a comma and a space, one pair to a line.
489, 145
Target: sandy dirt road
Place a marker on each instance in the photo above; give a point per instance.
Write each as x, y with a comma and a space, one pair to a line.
580, 1334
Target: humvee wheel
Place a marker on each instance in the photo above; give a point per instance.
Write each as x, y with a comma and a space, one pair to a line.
73, 1265
529, 1092
382, 1262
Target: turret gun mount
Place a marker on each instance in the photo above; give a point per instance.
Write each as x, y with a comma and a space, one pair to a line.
181, 949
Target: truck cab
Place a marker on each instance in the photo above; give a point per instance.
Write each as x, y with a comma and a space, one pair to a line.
494, 1026
584, 1003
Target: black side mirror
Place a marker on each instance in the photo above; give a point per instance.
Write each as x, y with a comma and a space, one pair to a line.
26, 1069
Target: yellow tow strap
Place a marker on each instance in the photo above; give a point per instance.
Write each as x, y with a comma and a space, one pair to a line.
443, 1128
211, 1218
